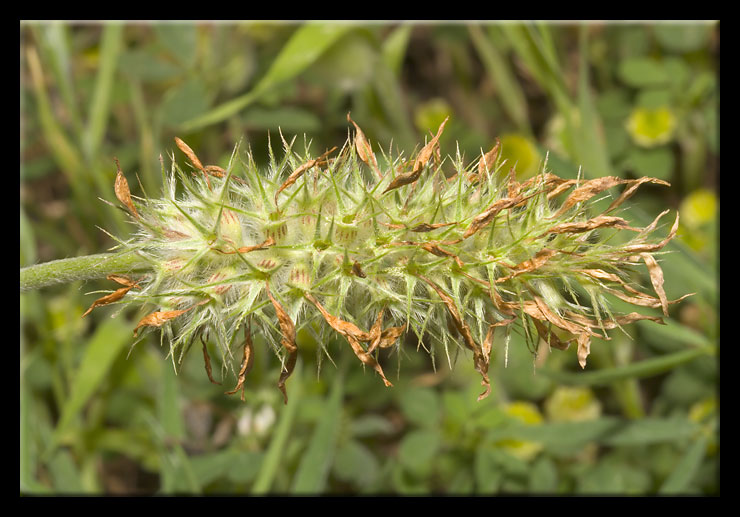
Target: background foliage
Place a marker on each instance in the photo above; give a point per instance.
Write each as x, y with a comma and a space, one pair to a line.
615, 99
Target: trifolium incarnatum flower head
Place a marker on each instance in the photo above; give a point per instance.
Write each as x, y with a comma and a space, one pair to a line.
370, 248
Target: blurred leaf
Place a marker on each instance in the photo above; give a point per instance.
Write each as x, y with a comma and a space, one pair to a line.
65, 477
613, 476
354, 463
605, 430
27, 241
643, 71
636, 370
145, 66
507, 88
488, 472
394, 47
304, 47
657, 163
683, 37
280, 436
543, 477
244, 466
101, 350
651, 430
180, 40
100, 104
184, 101
418, 449
215, 465
683, 473
315, 464
420, 406
290, 119
370, 425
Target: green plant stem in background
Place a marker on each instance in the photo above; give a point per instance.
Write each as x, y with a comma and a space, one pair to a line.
79, 268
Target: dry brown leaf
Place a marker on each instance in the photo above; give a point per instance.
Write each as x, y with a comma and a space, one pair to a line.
246, 249
286, 324
481, 363
421, 160
656, 278
527, 266
357, 270
109, 298
482, 219
364, 149
589, 189
185, 148
550, 337
288, 341
353, 335
123, 280
425, 227
630, 190
488, 160
584, 348
600, 221
247, 362
159, 318
647, 248
300, 171
122, 191
207, 361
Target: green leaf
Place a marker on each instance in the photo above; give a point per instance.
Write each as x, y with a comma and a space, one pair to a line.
421, 406
103, 348
184, 101
316, 462
418, 449
511, 95
683, 37
65, 477
611, 431
245, 466
280, 437
651, 430
97, 117
141, 64
682, 475
543, 477
288, 118
640, 369
488, 472
643, 71
657, 163
304, 47
394, 47
180, 40
354, 463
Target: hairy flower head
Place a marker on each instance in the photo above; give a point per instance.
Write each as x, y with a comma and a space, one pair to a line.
370, 248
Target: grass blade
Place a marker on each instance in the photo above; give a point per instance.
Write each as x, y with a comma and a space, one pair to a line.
317, 460
304, 47
680, 478
103, 348
271, 461
97, 117
499, 72
640, 369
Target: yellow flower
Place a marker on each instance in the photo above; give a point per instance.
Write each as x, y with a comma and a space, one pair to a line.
572, 404
651, 127
528, 414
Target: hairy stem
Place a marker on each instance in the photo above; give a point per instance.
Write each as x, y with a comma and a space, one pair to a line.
79, 268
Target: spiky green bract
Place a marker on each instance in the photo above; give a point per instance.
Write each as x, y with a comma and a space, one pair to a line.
447, 253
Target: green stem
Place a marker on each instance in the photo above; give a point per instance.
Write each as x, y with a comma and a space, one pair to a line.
79, 268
